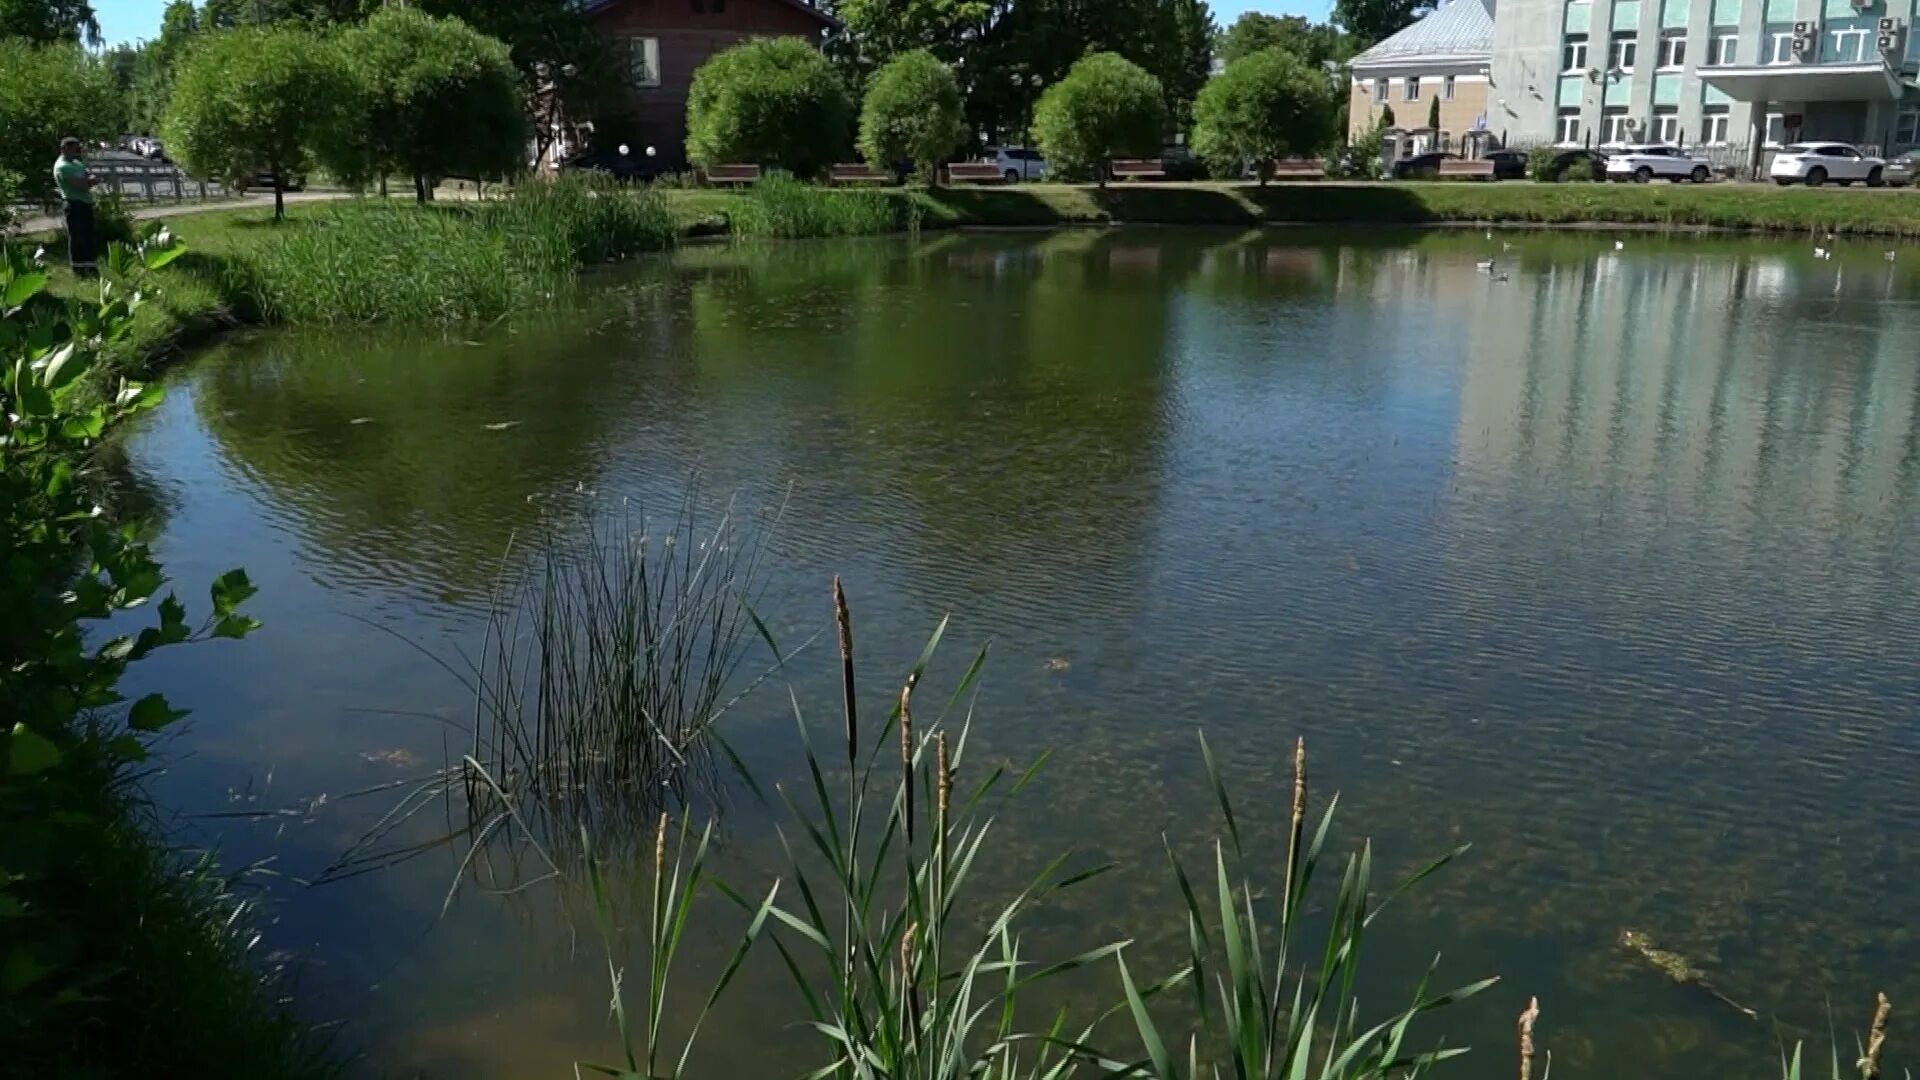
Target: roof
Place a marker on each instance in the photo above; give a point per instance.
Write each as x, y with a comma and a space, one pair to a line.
592, 6
1457, 31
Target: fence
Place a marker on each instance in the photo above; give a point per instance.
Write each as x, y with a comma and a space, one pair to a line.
135, 178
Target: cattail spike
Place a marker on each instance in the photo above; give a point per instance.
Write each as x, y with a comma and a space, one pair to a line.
906, 757
1297, 823
660, 846
844, 622
943, 779
1527, 1017
1876, 1039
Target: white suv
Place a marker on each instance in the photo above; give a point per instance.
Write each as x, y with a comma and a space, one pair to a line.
1644, 162
1816, 163
1017, 163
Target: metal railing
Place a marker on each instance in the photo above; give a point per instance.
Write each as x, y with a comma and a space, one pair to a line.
135, 178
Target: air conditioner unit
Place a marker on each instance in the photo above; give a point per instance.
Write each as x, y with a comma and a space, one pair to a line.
1889, 26
1863, 5
1803, 45
1889, 44
1802, 29
1630, 124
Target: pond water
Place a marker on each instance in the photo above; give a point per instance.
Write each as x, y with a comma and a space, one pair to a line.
1606, 562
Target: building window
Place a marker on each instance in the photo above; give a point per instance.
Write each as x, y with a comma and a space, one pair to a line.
1446, 88
1614, 126
1666, 124
1411, 91
1776, 129
1779, 46
1621, 51
1723, 48
1573, 54
1906, 131
1379, 91
1849, 45
1713, 125
643, 61
1567, 131
1673, 49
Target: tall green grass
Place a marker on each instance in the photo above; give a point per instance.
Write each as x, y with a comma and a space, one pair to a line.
446, 264
780, 207
903, 967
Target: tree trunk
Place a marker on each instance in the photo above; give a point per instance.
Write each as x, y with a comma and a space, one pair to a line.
279, 195
383, 185
420, 189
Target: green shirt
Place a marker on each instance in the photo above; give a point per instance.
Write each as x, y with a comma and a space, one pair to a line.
67, 173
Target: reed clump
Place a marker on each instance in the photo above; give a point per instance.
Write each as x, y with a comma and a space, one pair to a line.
780, 207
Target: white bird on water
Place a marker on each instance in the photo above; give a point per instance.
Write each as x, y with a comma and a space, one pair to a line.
1485, 266
1822, 253
1619, 245
1891, 254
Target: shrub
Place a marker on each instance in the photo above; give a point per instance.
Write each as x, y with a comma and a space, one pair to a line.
46, 94
784, 208
112, 221
1540, 164
1262, 107
432, 98
1579, 169
912, 113
1361, 159
776, 103
1106, 107
257, 98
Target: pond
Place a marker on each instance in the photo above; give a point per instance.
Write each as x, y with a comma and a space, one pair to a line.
1605, 562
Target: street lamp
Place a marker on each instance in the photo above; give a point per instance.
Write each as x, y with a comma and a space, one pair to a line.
1032, 82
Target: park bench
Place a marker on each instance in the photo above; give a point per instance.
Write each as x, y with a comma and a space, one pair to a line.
974, 172
734, 174
1139, 169
1300, 169
1452, 169
858, 173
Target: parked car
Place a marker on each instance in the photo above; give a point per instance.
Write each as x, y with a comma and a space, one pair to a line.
1565, 160
1902, 169
1181, 164
1017, 163
1644, 162
1816, 163
1509, 164
264, 180
1422, 166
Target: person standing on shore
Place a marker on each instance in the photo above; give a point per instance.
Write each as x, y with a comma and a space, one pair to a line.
76, 185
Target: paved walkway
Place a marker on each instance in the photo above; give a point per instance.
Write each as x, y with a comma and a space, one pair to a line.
48, 223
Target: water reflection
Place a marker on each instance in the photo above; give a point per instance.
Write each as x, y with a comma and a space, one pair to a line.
1606, 567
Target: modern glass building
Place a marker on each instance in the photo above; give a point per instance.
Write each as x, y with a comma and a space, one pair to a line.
1741, 74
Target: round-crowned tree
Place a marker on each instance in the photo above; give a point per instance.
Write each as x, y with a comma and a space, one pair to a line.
912, 113
48, 92
1106, 107
1264, 106
257, 98
775, 103
434, 97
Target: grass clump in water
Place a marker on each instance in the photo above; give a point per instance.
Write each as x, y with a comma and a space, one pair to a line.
781, 207
447, 264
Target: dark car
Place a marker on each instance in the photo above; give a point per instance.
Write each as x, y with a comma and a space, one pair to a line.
1566, 159
1509, 164
1422, 166
263, 180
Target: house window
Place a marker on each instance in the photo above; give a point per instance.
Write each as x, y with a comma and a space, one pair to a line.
1379, 91
1621, 51
1673, 49
1614, 125
1666, 124
643, 61
1779, 46
1848, 45
1567, 131
1713, 125
1776, 128
1573, 55
1411, 91
1723, 48
1446, 88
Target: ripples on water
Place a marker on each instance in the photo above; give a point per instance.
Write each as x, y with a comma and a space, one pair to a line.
1607, 568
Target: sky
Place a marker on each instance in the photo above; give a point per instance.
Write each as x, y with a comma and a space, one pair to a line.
132, 20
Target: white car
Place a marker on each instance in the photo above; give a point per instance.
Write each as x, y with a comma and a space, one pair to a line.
1816, 163
1644, 162
1017, 163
